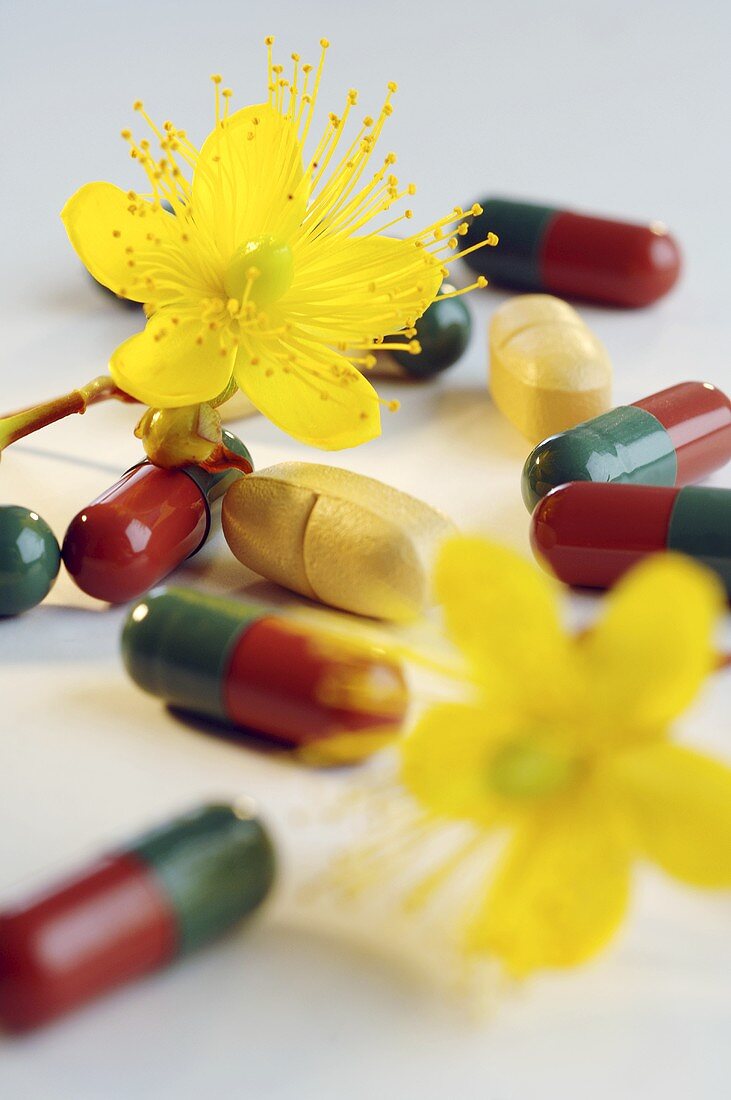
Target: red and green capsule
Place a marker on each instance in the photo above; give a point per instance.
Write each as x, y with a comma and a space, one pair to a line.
591, 533
243, 664
144, 526
543, 248
132, 911
673, 437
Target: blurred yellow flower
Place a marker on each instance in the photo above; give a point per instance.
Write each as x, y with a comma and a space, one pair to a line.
259, 274
566, 748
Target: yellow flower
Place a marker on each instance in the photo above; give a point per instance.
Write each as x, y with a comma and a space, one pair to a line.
269, 270
566, 748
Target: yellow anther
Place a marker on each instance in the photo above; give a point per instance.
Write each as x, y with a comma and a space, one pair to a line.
411, 189
481, 281
392, 86
126, 134
393, 406
269, 40
216, 78
476, 210
408, 213
138, 105
324, 43
492, 239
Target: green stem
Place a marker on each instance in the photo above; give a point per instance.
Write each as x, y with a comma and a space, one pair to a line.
16, 425
224, 395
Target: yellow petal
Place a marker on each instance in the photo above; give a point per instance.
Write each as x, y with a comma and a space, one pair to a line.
502, 613
249, 180
648, 655
561, 889
120, 248
166, 367
445, 761
321, 399
680, 802
349, 289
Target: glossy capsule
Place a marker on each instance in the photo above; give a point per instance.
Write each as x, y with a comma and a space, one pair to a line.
243, 664
132, 911
673, 437
146, 524
590, 533
542, 248
29, 559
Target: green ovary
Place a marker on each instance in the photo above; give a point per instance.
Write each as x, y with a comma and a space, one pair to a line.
261, 270
526, 769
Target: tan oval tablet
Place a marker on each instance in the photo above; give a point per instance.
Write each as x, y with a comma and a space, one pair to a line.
548, 371
338, 537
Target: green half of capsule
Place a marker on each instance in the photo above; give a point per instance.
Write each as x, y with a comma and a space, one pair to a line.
177, 643
215, 865
626, 444
700, 525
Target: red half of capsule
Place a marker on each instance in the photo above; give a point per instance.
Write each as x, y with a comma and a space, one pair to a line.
135, 533
105, 926
610, 261
697, 417
590, 533
296, 687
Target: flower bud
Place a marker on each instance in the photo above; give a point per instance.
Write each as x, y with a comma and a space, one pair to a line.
180, 437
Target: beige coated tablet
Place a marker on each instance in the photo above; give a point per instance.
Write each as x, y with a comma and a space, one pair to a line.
338, 537
548, 371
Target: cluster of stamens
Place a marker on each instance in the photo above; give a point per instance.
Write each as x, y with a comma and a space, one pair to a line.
182, 264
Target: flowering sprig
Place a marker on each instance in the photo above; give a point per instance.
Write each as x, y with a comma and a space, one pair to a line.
559, 755
262, 268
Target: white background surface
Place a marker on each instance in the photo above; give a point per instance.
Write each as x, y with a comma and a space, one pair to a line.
615, 107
